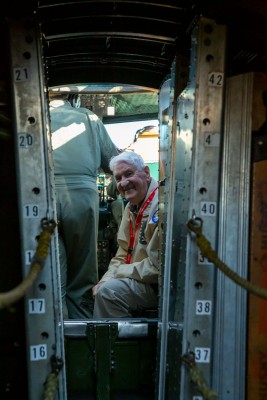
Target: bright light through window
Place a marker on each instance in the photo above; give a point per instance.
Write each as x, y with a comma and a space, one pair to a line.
122, 134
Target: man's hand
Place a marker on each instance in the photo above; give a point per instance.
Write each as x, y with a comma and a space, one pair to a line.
96, 287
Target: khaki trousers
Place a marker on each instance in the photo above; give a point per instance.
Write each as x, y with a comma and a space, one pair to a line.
118, 298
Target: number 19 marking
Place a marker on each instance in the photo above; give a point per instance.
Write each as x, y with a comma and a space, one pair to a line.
31, 211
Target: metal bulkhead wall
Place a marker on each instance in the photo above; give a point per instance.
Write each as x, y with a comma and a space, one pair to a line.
231, 324
170, 333
43, 316
206, 110
194, 185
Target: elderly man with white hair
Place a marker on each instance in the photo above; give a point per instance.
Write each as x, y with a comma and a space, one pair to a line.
131, 281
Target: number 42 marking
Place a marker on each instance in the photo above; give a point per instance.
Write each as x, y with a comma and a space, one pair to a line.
215, 79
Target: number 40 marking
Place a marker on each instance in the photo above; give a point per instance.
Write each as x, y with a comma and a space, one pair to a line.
208, 208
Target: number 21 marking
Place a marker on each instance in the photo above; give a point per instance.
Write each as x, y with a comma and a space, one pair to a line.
21, 74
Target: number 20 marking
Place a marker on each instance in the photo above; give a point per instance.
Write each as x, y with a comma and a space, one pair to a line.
25, 141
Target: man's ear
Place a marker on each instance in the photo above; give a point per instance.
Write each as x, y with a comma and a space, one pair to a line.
147, 171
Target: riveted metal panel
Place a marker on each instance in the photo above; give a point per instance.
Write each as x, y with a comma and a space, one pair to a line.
192, 185
231, 308
44, 334
206, 111
167, 127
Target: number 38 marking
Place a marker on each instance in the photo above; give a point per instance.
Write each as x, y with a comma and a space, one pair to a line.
203, 307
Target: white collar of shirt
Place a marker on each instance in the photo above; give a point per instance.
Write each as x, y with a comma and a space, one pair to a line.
57, 103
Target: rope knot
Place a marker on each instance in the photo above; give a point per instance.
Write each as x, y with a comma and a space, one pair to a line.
195, 225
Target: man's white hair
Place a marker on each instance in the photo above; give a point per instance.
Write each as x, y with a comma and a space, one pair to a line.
128, 157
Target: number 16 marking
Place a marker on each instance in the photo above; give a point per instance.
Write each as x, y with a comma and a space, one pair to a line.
38, 352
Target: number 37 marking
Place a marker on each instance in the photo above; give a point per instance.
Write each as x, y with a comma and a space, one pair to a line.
202, 354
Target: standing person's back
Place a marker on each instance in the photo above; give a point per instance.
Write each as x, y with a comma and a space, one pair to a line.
81, 147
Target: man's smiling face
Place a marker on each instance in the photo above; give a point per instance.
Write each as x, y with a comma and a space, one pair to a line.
131, 182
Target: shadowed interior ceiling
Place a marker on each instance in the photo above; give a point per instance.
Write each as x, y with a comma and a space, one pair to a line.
135, 42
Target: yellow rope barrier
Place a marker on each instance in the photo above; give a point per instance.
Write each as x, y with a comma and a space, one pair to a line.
52, 380
8, 298
198, 378
12, 296
51, 386
195, 225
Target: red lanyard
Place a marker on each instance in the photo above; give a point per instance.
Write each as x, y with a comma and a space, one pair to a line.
137, 223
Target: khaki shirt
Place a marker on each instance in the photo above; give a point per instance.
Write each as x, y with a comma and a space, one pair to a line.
144, 265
